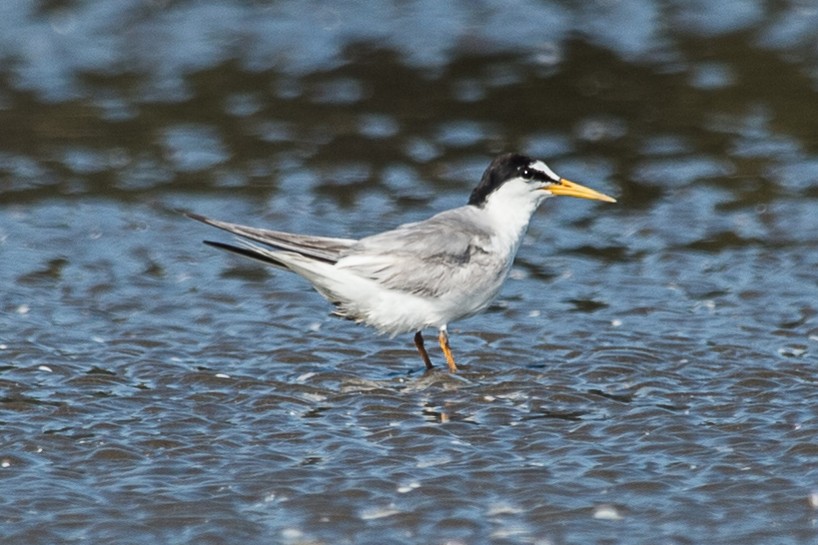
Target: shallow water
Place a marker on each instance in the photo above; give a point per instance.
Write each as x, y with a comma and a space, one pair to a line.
648, 374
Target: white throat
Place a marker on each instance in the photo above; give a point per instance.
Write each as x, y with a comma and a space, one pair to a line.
510, 208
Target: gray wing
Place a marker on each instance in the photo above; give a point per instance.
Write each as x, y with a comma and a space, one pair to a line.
431, 258
323, 248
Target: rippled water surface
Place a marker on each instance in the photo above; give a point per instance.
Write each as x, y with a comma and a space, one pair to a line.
648, 374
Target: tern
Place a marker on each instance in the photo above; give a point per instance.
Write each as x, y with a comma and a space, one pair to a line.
424, 274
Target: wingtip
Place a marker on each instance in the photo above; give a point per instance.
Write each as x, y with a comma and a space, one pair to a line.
210, 221
194, 215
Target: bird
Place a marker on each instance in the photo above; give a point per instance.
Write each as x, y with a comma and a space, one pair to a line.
425, 274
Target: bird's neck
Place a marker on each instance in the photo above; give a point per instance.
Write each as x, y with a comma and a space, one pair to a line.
510, 219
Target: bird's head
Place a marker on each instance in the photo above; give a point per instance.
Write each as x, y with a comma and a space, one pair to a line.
517, 177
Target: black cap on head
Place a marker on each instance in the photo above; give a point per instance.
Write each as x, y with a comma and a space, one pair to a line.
501, 169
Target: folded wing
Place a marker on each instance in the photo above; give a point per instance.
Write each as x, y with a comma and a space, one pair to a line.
430, 258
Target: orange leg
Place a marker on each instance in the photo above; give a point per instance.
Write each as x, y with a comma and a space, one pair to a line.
422, 350
447, 351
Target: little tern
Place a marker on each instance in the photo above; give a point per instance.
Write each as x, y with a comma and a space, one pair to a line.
424, 274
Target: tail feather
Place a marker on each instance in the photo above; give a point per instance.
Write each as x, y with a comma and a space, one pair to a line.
246, 252
308, 256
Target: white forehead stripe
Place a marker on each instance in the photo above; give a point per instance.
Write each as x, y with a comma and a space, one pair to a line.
542, 167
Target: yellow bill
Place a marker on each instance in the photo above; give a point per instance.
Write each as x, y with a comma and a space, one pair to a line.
568, 188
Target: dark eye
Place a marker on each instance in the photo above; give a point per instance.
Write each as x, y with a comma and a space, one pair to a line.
526, 173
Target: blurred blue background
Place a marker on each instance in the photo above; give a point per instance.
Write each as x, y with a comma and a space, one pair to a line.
648, 374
